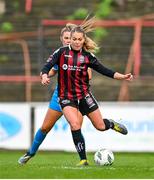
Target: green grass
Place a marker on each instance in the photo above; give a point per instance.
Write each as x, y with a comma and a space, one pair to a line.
62, 165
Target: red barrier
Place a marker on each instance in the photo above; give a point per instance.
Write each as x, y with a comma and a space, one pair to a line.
28, 6
103, 23
19, 78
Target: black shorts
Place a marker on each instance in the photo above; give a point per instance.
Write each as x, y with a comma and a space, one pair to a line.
85, 105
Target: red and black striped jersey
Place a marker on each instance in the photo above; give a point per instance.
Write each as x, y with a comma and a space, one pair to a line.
73, 80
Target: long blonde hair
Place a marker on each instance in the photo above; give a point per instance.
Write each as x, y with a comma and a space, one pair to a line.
85, 27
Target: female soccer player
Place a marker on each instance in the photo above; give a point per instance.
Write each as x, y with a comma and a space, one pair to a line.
73, 84
54, 111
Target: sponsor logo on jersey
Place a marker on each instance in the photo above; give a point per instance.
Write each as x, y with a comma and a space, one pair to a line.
72, 68
64, 66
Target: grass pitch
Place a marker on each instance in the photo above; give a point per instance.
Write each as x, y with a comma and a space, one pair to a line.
62, 165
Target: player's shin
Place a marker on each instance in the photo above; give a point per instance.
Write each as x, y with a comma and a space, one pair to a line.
79, 143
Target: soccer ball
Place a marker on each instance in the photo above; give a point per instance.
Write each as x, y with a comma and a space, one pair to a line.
103, 157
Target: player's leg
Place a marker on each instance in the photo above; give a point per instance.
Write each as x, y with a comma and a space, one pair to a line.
105, 124
90, 107
53, 114
50, 119
79, 142
98, 122
75, 119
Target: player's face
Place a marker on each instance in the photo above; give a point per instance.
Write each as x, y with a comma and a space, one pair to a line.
65, 39
77, 40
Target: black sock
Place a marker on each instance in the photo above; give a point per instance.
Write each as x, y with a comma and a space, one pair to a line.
108, 124
79, 143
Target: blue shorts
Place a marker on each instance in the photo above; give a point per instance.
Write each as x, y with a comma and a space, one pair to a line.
54, 103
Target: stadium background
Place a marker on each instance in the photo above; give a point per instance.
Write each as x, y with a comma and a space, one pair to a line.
29, 32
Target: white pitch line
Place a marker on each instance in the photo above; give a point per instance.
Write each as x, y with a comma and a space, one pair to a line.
83, 167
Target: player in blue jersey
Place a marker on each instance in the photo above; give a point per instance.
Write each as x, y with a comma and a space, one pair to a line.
54, 111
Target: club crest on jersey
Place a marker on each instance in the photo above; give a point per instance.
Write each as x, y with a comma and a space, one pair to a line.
64, 66
81, 59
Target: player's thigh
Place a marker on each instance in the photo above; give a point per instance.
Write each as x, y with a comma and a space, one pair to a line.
50, 119
97, 119
73, 116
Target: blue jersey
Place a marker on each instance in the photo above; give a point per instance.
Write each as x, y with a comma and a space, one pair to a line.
54, 103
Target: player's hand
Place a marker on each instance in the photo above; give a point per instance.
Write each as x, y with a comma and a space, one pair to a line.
128, 77
45, 80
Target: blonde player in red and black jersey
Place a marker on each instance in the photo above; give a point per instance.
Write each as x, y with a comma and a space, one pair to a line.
54, 111
73, 84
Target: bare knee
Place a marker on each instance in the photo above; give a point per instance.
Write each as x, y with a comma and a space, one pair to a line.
97, 120
75, 126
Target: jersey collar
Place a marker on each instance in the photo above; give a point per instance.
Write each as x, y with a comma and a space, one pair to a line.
70, 48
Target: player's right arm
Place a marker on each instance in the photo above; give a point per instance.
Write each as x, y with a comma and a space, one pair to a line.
45, 79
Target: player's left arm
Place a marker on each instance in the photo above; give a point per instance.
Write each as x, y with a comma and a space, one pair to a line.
96, 65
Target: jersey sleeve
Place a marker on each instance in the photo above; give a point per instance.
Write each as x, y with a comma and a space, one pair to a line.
51, 62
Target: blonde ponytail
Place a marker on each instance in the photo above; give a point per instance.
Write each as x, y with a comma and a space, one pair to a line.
85, 27
88, 24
